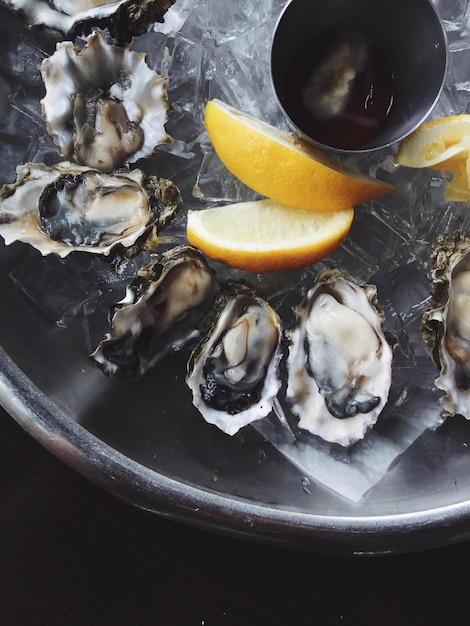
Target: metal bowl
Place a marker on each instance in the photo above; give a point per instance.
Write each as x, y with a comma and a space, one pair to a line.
411, 37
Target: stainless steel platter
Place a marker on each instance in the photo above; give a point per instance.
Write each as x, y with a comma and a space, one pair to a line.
145, 442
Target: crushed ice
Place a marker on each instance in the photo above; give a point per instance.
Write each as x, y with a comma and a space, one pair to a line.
218, 48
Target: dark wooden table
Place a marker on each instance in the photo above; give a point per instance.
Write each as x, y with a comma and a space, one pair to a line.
71, 554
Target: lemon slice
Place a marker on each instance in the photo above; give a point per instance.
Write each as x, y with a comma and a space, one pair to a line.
264, 235
278, 166
444, 145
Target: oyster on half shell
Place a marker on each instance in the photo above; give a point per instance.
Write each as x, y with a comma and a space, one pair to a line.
446, 320
69, 207
161, 313
123, 18
234, 371
340, 359
104, 107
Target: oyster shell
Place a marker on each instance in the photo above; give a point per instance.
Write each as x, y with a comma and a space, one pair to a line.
339, 363
69, 207
234, 371
446, 320
104, 106
160, 313
123, 18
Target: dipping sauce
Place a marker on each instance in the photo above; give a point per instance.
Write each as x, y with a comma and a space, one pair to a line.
339, 90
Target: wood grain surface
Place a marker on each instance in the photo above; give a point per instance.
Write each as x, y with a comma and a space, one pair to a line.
71, 554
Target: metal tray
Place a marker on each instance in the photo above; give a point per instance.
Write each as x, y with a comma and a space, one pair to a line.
143, 442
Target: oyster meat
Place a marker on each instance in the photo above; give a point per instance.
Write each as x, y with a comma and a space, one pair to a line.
446, 320
161, 313
123, 18
69, 207
234, 371
340, 359
104, 106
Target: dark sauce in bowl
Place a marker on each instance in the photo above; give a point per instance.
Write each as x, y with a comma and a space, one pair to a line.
339, 90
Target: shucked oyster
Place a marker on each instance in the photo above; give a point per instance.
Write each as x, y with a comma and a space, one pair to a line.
234, 372
122, 17
339, 363
446, 320
160, 313
104, 106
70, 207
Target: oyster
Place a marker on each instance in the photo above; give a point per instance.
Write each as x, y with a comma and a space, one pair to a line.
446, 320
234, 371
124, 18
69, 207
339, 363
104, 106
160, 313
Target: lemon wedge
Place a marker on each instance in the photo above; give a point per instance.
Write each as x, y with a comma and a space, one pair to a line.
277, 165
264, 235
444, 145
